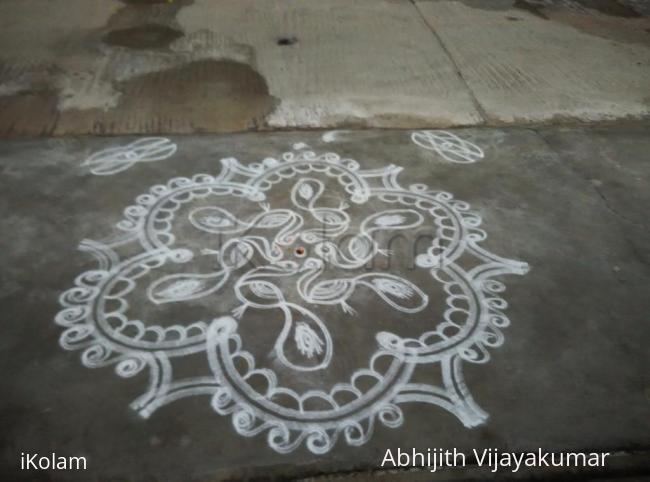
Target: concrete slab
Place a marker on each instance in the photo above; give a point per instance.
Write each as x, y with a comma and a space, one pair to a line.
564, 350
96, 67
221, 66
343, 69
531, 61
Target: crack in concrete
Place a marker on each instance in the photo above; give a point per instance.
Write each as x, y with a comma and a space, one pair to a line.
580, 176
612, 209
475, 102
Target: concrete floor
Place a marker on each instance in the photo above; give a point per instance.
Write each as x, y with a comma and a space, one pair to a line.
570, 374
101, 67
494, 290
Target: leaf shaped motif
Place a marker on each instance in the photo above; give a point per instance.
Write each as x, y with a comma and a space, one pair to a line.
330, 289
111, 161
397, 292
272, 220
330, 217
238, 255
451, 147
304, 344
264, 289
390, 220
360, 247
152, 148
214, 219
307, 340
305, 191
182, 287
393, 287
116, 159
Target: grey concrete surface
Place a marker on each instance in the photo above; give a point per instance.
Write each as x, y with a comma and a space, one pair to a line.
101, 67
104, 67
571, 374
550, 60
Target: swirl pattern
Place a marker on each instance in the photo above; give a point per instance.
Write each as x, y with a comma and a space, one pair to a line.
299, 239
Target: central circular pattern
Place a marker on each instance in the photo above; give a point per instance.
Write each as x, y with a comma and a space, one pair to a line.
401, 266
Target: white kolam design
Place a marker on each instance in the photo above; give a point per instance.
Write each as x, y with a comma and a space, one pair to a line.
449, 146
117, 159
291, 242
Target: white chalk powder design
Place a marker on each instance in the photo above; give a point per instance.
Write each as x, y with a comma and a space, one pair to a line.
117, 159
449, 146
288, 240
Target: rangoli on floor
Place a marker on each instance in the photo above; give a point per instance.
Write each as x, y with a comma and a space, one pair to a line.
274, 274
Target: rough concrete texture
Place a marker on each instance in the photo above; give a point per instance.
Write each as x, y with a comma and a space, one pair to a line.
102, 67
343, 68
539, 61
570, 375
111, 76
